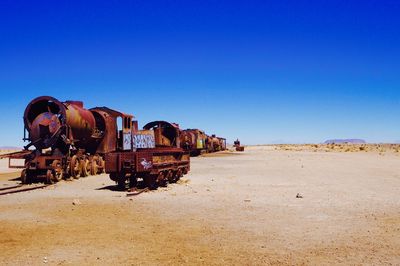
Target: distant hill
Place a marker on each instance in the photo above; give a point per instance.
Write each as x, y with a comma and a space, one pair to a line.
345, 141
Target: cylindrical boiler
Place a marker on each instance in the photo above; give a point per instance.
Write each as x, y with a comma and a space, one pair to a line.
46, 119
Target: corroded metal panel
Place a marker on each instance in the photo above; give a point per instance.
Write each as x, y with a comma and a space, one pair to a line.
111, 162
144, 139
144, 161
47, 120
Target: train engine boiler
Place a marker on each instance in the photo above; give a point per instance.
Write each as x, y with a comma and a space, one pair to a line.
63, 134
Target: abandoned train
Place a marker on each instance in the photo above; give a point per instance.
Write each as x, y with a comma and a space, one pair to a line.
197, 142
71, 142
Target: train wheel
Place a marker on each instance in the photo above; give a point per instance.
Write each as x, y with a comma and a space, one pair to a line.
49, 177
94, 168
29, 177
58, 175
84, 168
121, 185
102, 164
132, 181
75, 167
57, 171
171, 176
24, 175
113, 177
150, 181
162, 179
121, 182
185, 171
177, 175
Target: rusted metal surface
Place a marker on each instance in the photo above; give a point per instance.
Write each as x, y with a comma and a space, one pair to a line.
197, 142
194, 141
144, 161
213, 144
222, 143
81, 124
70, 140
166, 162
166, 134
39, 106
237, 145
48, 121
106, 130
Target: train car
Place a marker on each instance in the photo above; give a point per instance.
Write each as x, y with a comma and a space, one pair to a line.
152, 156
222, 143
215, 144
193, 141
238, 146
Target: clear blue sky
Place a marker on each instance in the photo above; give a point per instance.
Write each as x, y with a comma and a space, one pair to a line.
263, 71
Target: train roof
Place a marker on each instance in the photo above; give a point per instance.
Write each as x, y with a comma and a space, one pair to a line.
157, 123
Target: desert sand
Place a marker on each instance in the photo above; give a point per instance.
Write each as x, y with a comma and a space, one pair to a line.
285, 205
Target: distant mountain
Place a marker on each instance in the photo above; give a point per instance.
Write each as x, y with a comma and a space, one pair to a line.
345, 141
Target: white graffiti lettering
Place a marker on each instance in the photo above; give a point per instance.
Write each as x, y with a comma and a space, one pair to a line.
144, 141
146, 165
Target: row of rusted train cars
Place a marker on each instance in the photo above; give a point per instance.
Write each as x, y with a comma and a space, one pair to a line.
67, 141
198, 142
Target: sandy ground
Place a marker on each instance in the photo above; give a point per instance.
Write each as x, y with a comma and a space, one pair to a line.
4, 166
240, 209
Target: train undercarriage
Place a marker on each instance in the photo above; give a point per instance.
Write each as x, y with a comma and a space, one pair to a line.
147, 167
52, 168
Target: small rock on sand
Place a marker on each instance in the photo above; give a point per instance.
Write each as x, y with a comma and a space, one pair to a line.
76, 202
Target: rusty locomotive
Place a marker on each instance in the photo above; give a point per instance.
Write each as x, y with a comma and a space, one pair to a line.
197, 142
215, 144
194, 141
237, 146
70, 142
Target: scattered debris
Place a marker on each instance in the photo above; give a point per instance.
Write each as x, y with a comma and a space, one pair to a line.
183, 181
135, 192
76, 202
